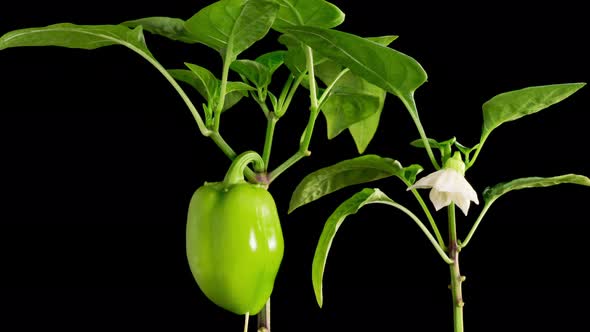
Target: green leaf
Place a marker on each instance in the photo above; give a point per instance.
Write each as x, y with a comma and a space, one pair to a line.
205, 82
295, 55
490, 194
87, 37
187, 76
272, 60
346, 173
383, 40
232, 26
513, 105
169, 27
253, 71
347, 208
352, 99
234, 92
363, 131
318, 13
387, 68
208, 86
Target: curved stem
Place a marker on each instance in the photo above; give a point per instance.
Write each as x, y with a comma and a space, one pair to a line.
424, 229
486, 206
411, 106
329, 88
481, 141
235, 173
230, 153
202, 127
439, 238
456, 278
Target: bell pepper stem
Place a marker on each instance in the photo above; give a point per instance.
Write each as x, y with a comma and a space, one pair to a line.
264, 318
246, 320
235, 173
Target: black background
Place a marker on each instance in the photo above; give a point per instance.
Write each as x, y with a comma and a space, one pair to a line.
100, 157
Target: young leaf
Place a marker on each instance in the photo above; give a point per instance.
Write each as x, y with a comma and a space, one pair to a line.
253, 71
206, 83
273, 60
169, 27
231, 26
387, 68
317, 13
348, 207
490, 194
347, 173
235, 91
513, 105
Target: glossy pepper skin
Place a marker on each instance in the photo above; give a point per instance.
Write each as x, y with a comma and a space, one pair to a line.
234, 242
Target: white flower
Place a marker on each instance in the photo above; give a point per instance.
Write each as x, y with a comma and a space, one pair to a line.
448, 185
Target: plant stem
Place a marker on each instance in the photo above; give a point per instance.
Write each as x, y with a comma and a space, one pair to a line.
270, 129
264, 318
422, 227
246, 320
222, 89
439, 238
286, 164
486, 206
410, 104
481, 141
314, 112
230, 153
456, 278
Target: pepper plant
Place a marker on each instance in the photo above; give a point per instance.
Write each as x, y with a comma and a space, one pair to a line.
345, 77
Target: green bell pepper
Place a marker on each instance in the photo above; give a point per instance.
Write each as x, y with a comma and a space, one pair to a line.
234, 241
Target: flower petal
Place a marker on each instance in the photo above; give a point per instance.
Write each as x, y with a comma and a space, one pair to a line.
439, 199
428, 181
461, 201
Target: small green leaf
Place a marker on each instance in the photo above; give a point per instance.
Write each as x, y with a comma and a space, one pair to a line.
347, 208
234, 92
169, 27
232, 26
208, 86
383, 40
253, 71
346, 173
317, 13
272, 60
206, 83
387, 68
492, 193
513, 105
188, 77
